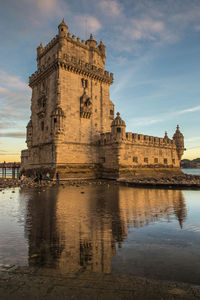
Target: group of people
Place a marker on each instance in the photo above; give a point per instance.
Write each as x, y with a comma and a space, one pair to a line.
39, 177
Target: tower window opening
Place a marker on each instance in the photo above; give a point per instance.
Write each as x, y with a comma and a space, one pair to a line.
135, 159
84, 83
42, 125
118, 129
55, 120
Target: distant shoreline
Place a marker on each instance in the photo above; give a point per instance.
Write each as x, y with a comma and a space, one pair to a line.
190, 167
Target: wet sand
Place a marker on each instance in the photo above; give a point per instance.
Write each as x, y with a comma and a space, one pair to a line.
32, 283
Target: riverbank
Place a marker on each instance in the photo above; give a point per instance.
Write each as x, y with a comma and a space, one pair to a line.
175, 181
28, 182
33, 283
180, 181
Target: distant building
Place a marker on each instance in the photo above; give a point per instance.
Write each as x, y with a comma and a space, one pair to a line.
72, 129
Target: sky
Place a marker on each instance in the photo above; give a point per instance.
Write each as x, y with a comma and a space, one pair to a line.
152, 47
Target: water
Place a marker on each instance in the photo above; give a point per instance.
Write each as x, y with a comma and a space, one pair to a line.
104, 228
191, 171
9, 173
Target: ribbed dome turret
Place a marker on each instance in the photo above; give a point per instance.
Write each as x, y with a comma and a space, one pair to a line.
118, 121
179, 141
62, 29
91, 42
178, 133
63, 24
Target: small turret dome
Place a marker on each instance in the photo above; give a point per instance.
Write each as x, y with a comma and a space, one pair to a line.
177, 133
91, 42
102, 48
118, 121
63, 24
40, 49
166, 136
62, 28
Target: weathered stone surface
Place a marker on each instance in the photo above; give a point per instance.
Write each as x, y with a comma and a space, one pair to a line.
72, 130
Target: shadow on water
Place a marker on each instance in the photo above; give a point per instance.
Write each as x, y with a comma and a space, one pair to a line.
112, 229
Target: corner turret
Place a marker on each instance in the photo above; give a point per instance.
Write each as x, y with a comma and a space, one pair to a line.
179, 141
91, 42
40, 49
62, 28
118, 128
166, 138
102, 49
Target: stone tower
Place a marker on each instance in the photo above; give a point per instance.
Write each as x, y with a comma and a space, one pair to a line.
72, 129
70, 105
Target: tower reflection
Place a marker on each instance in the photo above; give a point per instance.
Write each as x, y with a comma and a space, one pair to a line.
76, 228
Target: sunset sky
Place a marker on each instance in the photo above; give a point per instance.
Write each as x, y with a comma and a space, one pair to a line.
152, 47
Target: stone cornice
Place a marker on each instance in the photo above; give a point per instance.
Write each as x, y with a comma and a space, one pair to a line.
75, 66
42, 73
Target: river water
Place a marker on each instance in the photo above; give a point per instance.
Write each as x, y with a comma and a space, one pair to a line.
103, 228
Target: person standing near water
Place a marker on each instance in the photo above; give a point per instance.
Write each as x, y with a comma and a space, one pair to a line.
57, 177
40, 178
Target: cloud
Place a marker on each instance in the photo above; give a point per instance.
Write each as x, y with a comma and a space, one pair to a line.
92, 23
110, 7
197, 27
16, 134
188, 110
193, 139
11, 81
50, 8
145, 28
3, 90
162, 117
14, 102
9, 153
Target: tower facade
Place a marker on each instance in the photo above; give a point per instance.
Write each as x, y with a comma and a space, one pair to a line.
70, 105
72, 129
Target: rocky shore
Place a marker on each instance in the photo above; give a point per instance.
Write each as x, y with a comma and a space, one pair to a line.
176, 181
29, 182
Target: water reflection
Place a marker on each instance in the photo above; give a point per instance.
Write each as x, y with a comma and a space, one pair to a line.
77, 228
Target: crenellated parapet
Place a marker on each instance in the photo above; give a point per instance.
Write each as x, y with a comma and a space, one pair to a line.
87, 45
119, 135
138, 139
64, 41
